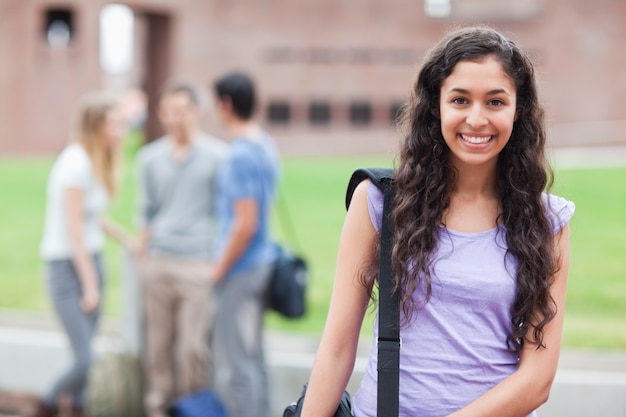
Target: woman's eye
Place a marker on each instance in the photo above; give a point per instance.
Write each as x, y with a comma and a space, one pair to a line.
496, 102
459, 100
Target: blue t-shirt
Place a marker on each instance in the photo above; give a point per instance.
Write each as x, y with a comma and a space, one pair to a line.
251, 171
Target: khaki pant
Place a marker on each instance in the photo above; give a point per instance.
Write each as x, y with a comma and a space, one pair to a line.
178, 317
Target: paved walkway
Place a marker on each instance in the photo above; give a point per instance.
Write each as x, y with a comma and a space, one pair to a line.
583, 375
589, 157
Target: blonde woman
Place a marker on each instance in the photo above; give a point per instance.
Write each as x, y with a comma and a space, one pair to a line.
80, 186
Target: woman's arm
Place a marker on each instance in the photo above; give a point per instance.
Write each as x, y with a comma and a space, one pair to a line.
528, 387
148, 203
336, 354
245, 225
115, 231
81, 257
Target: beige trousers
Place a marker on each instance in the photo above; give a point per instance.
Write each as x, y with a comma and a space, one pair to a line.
178, 317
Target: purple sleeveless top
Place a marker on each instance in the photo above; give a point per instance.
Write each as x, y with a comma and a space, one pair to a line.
455, 348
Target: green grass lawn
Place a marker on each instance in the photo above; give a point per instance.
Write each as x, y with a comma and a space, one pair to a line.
596, 297
313, 188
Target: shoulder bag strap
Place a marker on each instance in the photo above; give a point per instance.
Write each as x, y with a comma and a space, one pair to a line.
282, 211
388, 321
286, 222
388, 301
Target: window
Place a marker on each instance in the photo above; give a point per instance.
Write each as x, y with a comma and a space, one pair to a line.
116, 39
360, 56
278, 112
320, 56
484, 10
319, 113
360, 113
59, 27
437, 8
279, 55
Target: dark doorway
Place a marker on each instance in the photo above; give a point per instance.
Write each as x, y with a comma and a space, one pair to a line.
157, 45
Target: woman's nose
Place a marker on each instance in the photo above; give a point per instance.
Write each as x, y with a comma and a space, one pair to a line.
476, 116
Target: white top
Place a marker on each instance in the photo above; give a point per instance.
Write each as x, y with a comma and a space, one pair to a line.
72, 169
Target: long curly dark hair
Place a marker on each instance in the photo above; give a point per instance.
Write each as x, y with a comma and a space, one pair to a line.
425, 177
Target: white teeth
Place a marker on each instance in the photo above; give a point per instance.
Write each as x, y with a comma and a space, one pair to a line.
476, 139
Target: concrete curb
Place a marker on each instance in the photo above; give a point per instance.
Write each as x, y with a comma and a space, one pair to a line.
586, 381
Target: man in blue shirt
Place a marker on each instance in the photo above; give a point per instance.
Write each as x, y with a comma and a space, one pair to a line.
246, 191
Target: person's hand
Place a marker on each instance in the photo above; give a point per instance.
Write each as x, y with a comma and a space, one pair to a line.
214, 275
90, 300
141, 250
132, 245
143, 244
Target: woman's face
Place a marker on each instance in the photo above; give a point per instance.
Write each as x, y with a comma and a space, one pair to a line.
477, 110
114, 129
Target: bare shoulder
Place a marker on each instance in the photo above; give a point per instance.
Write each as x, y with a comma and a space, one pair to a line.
359, 196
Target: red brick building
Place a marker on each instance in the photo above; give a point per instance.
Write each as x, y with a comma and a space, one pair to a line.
323, 67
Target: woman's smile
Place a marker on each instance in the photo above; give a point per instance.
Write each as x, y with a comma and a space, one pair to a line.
475, 139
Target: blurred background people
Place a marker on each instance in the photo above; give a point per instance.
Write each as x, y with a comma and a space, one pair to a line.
246, 191
80, 187
177, 173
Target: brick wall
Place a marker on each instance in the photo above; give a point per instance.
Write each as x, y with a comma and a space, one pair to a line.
359, 54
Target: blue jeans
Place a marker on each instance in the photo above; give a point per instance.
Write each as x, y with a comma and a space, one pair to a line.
241, 372
65, 290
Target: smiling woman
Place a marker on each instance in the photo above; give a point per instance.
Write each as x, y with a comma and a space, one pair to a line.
480, 250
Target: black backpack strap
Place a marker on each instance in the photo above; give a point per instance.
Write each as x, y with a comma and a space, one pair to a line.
380, 177
388, 304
